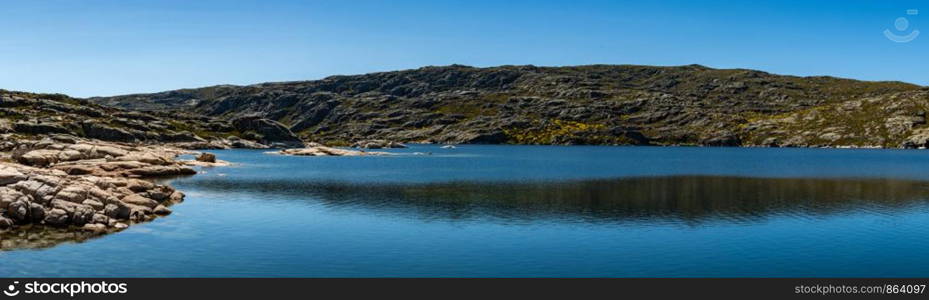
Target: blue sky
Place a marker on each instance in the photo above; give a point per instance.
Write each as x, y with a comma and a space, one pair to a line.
97, 48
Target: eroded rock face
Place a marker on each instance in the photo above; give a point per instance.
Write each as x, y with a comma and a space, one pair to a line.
268, 132
38, 128
103, 132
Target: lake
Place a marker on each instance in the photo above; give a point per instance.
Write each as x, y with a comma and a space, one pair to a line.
527, 211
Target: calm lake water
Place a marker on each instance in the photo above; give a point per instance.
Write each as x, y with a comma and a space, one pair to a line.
531, 211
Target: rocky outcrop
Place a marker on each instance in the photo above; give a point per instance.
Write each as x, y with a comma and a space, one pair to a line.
377, 144
95, 130
267, 132
83, 187
101, 159
38, 128
233, 142
51, 197
319, 150
918, 139
207, 157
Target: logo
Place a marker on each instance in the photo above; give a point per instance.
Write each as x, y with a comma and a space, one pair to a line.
11, 290
67, 288
902, 24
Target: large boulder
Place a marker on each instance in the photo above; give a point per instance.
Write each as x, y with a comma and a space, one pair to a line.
36, 212
41, 157
10, 176
5, 222
161, 210
207, 157
136, 199
99, 131
18, 210
267, 132
8, 196
57, 217
116, 211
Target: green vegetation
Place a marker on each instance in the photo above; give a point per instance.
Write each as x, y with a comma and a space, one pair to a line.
549, 131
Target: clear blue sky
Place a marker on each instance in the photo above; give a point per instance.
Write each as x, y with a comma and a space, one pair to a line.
97, 48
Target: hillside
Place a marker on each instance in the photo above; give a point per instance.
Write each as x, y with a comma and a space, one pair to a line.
36, 116
596, 104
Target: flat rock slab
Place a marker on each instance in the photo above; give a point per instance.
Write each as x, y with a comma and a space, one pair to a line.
327, 151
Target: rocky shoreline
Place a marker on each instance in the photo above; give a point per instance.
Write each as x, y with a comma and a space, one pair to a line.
62, 188
71, 170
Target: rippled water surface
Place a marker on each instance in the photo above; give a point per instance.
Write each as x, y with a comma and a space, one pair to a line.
528, 211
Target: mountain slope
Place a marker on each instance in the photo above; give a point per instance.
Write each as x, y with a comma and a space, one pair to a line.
596, 104
27, 115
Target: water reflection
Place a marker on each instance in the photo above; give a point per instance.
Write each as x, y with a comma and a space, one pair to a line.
685, 199
690, 200
39, 237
